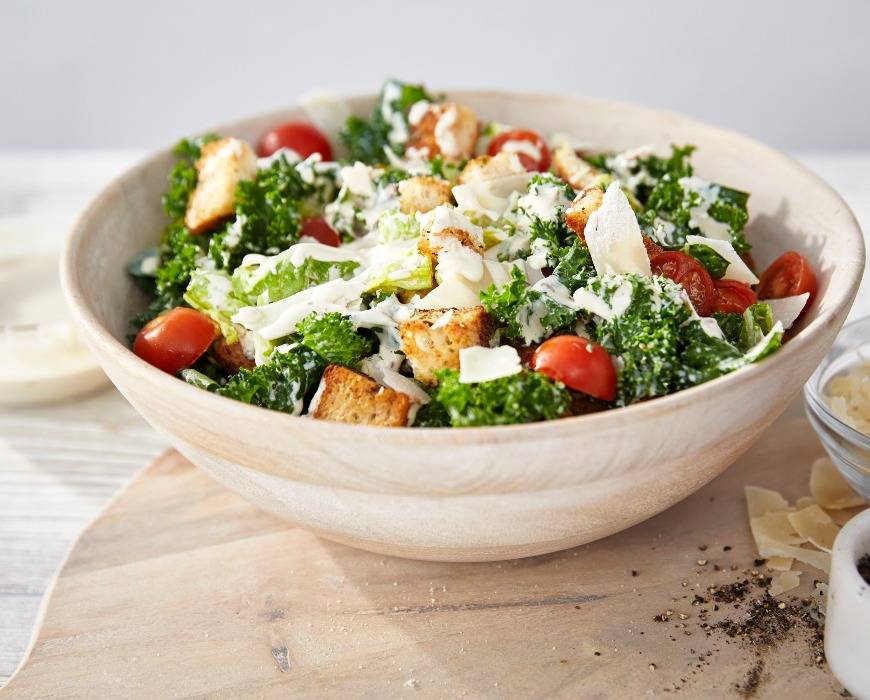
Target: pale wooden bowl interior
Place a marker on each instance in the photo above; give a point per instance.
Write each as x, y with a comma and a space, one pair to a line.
483, 493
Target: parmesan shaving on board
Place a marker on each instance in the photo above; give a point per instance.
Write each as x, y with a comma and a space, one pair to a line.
815, 526
785, 581
829, 488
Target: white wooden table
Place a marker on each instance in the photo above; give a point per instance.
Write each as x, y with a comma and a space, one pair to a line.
60, 465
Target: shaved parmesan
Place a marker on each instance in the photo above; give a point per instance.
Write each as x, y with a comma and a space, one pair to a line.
760, 501
779, 563
813, 557
848, 397
803, 502
775, 526
443, 320
829, 488
737, 269
490, 197
614, 238
357, 178
787, 309
844, 515
783, 582
479, 364
455, 292
816, 526
327, 111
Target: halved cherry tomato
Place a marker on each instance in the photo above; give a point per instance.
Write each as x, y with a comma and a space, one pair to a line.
579, 364
322, 231
540, 162
175, 339
687, 271
789, 275
301, 137
733, 297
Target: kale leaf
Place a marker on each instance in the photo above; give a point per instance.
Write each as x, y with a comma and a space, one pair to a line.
182, 177
269, 211
334, 338
575, 267
716, 265
178, 249
525, 314
365, 139
519, 398
285, 384
432, 415
646, 335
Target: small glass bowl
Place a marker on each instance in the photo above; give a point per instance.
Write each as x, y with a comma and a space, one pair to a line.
848, 448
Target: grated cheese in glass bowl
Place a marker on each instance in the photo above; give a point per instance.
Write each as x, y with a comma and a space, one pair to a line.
838, 404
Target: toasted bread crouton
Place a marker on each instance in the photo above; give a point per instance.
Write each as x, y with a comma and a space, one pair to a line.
449, 130
430, 244
432, 339
484, 168
230, 356
573, 169
423, 194
347, 396
577, 215
221, 166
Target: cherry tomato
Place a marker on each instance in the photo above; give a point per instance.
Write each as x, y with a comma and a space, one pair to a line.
322, 231
175, 339
530, 162
733, 297
579, 364
688, 272
301, 137
790, 274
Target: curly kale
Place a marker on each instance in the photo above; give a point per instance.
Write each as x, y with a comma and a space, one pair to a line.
646, 335
334, 338
365, 139
669, 215
182, 177
525, 314
716, 265
575, 267
285, 384
269, 212
178, 249
432, 415
525, 397
705, 357
646, 172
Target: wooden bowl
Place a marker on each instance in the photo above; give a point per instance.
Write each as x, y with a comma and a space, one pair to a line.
479, 494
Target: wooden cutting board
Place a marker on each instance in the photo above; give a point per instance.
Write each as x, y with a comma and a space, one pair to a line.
182, 589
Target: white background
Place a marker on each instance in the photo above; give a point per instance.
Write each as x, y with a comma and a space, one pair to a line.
114, 74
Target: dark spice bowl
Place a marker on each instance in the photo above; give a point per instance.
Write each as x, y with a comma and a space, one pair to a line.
847, 618
480, 494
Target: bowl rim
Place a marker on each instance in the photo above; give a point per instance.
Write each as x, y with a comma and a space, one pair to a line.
160, 380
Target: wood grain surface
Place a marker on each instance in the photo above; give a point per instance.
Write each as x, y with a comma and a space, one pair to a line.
182, 589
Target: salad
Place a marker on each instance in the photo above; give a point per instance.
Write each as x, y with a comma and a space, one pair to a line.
428, 268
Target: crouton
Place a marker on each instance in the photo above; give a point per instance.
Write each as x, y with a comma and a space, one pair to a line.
445, 223
230, 356
221, 166
449, 130
484, 168
431, 340
423, 194
573, 169
347, 396
577, 215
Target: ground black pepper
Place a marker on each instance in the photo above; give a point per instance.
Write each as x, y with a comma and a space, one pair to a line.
864, 567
